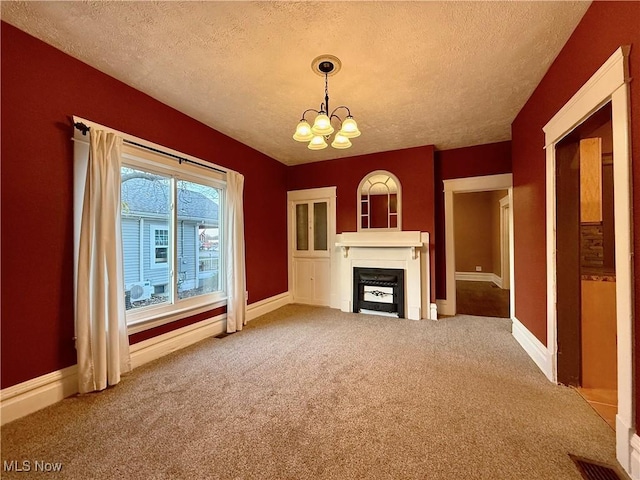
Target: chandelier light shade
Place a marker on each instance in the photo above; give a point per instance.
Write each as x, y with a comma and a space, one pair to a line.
317, 143
320, 132
340, 141
350, 128
303, 132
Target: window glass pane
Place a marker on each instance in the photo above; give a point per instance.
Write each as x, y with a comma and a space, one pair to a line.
198, 239
302, 226
146, 241
393, 203
379, 211
320, 226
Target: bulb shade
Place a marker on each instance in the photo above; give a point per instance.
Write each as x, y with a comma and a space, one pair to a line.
350, 128
303, 132
317, 143
340, 141
322, 125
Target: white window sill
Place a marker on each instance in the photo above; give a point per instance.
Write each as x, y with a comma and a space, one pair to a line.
163, 317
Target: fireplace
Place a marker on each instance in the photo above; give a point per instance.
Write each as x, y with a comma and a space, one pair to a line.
378, 290
407, 251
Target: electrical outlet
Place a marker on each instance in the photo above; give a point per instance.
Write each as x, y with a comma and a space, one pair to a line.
478, 268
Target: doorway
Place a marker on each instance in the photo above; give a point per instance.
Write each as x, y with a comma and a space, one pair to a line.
586, 277
448, 306
482, 288
610, 84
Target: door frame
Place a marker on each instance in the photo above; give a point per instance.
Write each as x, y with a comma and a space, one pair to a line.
505, 251
447, 306
309, 195
609, 84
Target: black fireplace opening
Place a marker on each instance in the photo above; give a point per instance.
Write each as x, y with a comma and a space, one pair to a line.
378, 290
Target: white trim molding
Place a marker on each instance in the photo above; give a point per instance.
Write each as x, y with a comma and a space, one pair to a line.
479, 277
157, 347
447, 306
267, 305
534, 347
37, 393
28, 397
609, 84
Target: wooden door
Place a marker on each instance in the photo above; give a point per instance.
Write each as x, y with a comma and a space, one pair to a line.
568, 262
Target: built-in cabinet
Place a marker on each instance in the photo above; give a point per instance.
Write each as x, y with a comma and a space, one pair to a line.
311, 218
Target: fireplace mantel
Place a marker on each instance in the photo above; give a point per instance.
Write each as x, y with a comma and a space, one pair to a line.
410, 240
408, 251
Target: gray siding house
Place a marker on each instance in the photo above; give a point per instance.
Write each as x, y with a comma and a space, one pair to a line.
145, 238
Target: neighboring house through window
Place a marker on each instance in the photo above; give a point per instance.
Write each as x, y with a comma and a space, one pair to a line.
171, 237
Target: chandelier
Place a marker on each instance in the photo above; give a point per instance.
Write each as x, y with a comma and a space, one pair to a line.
322, 129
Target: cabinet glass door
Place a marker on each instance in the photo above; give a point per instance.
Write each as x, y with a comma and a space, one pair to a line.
311, 228
302, 227
320, 226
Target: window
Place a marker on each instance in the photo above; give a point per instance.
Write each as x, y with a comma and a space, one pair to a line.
171, 237
160, 245
379, 202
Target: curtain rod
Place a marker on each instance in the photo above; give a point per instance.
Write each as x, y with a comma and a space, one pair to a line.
85, 128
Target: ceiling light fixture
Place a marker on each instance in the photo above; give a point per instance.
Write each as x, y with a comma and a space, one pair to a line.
318, 134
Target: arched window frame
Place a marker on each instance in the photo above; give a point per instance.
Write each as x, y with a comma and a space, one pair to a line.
359, 202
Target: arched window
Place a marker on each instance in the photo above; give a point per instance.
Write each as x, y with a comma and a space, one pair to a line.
379, 202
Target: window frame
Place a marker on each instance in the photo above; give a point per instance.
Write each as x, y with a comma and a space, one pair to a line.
153, 228
175, 309
398, 203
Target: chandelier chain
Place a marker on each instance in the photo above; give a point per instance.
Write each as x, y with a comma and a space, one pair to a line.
326, 92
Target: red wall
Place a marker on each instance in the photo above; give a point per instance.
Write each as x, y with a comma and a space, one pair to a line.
476, 161
412, 166
41, 88
604, 27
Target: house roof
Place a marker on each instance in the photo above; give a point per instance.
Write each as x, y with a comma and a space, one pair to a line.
144, 197
444, 73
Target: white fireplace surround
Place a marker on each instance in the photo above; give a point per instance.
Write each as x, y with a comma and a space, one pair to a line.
408, 251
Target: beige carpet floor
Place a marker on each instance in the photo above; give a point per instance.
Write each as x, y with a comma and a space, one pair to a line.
314, 393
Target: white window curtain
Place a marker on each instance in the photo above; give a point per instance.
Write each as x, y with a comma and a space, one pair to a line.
234, 246
101, 329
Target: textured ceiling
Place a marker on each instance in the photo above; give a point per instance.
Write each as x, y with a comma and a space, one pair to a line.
451, 74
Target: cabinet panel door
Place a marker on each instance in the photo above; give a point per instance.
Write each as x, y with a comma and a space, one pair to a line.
303, 280
322, 281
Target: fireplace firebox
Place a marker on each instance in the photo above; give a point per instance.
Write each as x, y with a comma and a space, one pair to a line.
378, 290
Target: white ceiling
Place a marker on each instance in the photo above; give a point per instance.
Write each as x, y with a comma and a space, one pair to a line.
451, 74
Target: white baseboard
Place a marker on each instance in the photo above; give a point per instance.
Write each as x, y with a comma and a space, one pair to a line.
267, 305
634, 469
433, 311
479, 277
40, 392
157, 347
27, 397
534, 348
